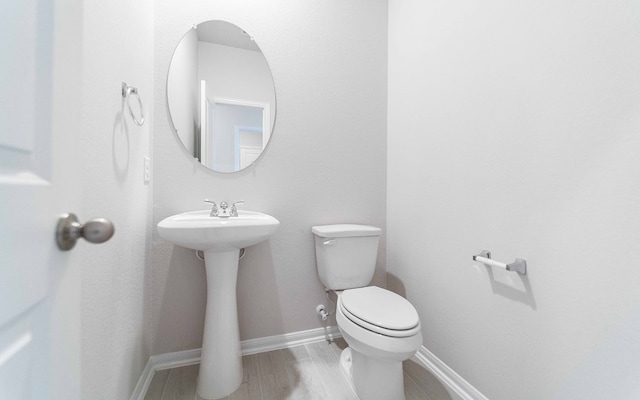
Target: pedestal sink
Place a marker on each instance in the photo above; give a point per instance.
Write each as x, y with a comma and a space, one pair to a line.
221, 240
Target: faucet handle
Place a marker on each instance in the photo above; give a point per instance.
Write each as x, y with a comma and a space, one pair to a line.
234, 210
214, 209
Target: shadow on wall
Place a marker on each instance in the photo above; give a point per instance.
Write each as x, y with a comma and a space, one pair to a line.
395, 285
512, 286
259, 305
121, 147
181, 313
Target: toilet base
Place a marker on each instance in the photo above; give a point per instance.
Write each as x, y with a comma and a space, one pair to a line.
345, 365
373, 379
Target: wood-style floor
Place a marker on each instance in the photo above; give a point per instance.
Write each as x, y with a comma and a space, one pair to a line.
305, 372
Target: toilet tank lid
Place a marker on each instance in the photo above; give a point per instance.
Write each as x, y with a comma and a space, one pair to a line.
345, 230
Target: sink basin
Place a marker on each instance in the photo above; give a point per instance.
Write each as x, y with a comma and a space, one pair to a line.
221, 240
197, 230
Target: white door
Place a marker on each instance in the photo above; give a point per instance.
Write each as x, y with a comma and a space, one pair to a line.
37, 334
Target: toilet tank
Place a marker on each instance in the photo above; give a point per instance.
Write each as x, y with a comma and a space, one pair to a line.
346, 254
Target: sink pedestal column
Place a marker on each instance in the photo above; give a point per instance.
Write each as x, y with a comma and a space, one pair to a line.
221, 364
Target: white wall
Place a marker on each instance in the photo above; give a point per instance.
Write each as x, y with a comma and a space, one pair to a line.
514, 127
117, 45
325, 162
183, 89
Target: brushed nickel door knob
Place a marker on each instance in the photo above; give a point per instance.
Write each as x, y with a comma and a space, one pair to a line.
69, 230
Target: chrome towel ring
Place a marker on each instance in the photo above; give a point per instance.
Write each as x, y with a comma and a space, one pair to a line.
127, 91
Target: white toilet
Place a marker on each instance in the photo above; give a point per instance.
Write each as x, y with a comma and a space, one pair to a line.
381, 328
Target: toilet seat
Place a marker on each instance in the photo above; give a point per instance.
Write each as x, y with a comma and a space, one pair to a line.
380, 311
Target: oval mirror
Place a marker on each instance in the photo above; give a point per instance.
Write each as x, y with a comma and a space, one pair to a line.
221, 97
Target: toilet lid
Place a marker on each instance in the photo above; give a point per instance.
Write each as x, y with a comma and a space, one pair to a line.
381, 311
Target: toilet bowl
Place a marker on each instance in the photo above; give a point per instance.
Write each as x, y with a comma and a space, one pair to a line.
382, 330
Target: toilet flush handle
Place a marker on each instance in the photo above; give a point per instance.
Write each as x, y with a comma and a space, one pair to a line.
329, 242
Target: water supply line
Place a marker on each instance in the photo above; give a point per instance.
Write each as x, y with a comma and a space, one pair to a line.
326, 292
321, 311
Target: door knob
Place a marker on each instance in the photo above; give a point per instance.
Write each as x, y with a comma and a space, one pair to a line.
69, 230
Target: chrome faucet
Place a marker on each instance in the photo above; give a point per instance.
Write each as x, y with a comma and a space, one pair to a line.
234, 210
224, 211
214, 209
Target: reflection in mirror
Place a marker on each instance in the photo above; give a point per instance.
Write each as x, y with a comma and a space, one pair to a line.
221, 96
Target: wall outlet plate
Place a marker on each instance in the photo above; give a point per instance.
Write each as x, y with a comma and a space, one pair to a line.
147, 169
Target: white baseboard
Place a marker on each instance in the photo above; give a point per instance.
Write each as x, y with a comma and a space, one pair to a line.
269, 343
251, 346
455, 384
143, 382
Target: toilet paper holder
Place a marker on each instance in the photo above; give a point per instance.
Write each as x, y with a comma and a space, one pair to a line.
519, 265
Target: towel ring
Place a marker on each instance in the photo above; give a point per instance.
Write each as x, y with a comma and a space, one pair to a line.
126, 92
